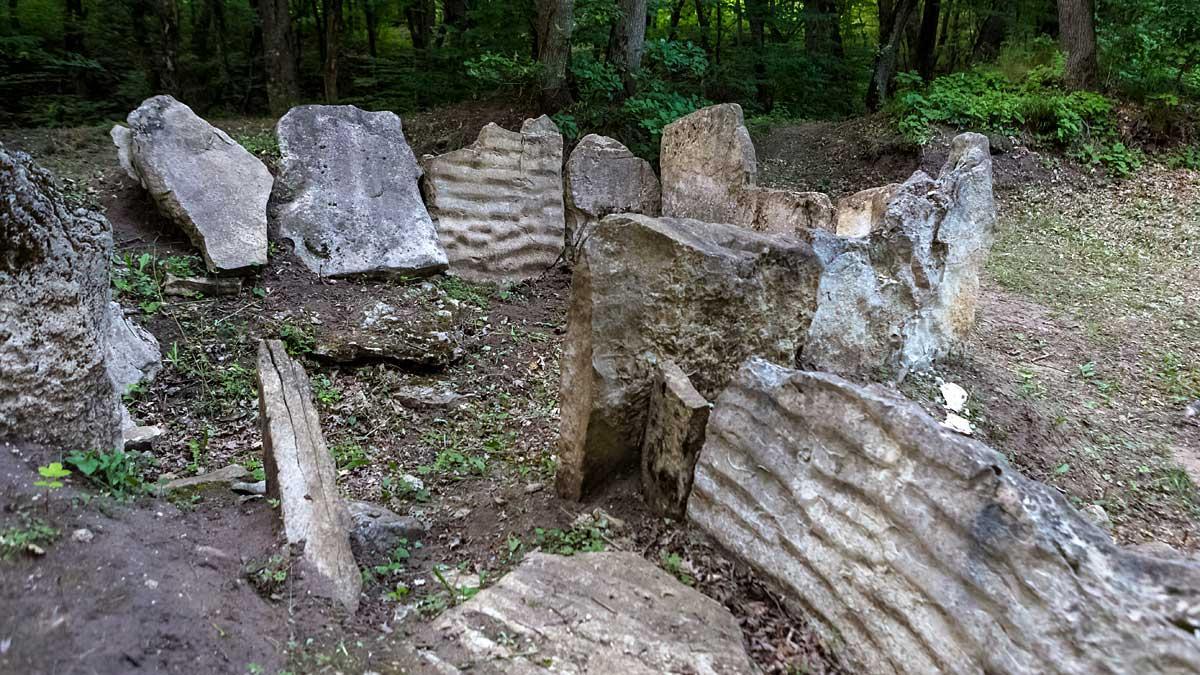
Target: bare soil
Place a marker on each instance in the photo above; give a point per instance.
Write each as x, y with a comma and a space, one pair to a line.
486, 467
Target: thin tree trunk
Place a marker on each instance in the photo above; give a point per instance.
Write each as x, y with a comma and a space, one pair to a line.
676, 15
756, 16
420, 15
371, 18
319, 20
627, 41
454, 15
14, 19
1077, 32
720, 30
554, 20
886, 16
702, 22
168, 31
823, 28
927, 39
885, 60
279, 55
73, 26
333, 46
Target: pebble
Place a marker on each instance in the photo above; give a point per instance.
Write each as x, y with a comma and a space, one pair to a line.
82, 535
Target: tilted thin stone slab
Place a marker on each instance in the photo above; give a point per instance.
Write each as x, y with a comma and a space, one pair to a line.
675, 423
923, 551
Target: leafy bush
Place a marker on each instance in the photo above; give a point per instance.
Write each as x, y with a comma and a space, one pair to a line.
118, 473
491, 70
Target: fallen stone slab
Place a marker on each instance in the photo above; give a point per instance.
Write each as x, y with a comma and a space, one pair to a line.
646, 290
603, 177
201, 179
378, 531
347, 195
587, 613
921, 550
204, 286
134, 356
902, 290
55, 321
710, 172
301, 475
225, 476
498, 203
674, 434
410, 336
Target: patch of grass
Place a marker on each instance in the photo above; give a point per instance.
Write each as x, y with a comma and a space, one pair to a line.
263, 144
31, 536
349, 456
297, 339
455, 464
673, 563
117, 473
463, 291
325, 391
1177, 379
578, 539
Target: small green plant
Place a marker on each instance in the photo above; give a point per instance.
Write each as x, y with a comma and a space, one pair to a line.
31, 536
324, 390
673, 563
578, 539
455, 464
398, 594
50, 476
399, 558
262, 144
296, 339
140, 278
457, 289
1177, 379
118, 473
403, 488
349, 456
268, 577
1030, 387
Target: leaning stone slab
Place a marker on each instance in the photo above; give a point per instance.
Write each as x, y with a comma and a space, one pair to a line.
646, 290
347, 195
901, 289
301, 475
201, 179
587, 613
602, 178
133, 353
674, 433
498, 203
55, 387
709, 173
924, 551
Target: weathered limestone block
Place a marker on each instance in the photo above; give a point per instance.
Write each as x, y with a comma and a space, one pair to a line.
602, 178
409, 335
201, 179
586, 613
133, 353
347, 195
861, 213
905, 293
645, 290
54, 315
709, 171
498, 203
674, 434
922, 550
301, 475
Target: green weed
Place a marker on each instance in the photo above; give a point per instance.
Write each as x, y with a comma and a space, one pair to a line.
117, 473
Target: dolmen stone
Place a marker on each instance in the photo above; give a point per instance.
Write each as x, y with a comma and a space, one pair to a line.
602, 178
675, 422
55, 388
498, 203
608, 612
647, 290
709, 172
901, 288
301, 475
921, 550
201, 179
347, 195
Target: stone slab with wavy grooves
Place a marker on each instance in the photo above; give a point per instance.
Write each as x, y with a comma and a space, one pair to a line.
498, 203
924, 551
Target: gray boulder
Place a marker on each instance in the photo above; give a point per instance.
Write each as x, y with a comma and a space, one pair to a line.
201, 179
347, 195
133, 353
377, 531
924, 551
587, 613
602, 178
55, 387
646, 290
498, 203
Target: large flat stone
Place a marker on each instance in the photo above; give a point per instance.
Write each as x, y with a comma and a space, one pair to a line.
587, 613
347, 195
498, 202
55, 317
301, 475
646, 290
923, 551
201, 179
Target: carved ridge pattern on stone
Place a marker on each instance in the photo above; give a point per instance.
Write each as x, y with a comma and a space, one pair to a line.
498, 203
921, 550
301, 475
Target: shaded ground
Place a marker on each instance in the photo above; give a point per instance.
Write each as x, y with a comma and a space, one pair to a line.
1085, 352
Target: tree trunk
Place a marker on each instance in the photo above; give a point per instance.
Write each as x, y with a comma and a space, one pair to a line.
676, 15
332, 12
823, 28
885, 60
886, 9
319, 20
73, 28
720, 31
756, 16
454, 15
168, 31
992, 33
627, 41
1077, 32
14, 19
279, 56
554, 18
371, 18
702, 22
419, 14
927, 39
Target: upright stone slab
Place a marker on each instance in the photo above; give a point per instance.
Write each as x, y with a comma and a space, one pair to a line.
709, 173
201, 179
586, 613
602, 178
301, 475
498, 203
674, 434
133, 353
924, 551
347, 195
647, 290
55, 388
901, 290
